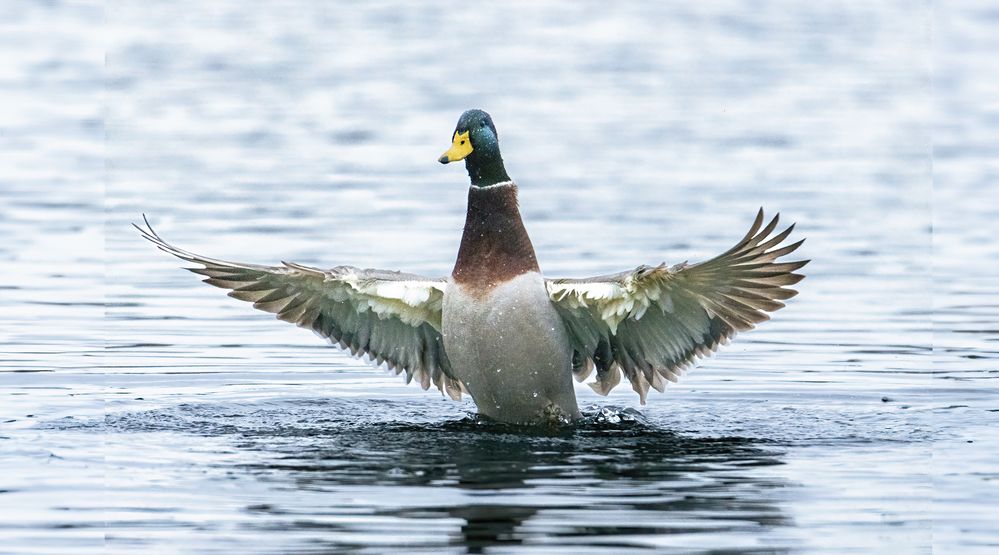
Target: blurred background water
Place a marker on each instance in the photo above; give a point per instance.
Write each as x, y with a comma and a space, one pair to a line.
141, 410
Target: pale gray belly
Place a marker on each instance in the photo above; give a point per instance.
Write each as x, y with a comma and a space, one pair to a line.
510, 350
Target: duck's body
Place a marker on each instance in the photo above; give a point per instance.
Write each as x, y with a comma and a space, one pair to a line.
506, 342
497, 329
509, 348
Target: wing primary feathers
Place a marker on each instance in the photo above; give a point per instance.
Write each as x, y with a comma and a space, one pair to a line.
398, 324
699, 307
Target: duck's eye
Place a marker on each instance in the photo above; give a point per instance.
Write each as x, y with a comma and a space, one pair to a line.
462, 142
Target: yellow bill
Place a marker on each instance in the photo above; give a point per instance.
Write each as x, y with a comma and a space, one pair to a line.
461, 147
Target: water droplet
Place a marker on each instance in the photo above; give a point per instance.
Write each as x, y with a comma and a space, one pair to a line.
498, 370
535, 394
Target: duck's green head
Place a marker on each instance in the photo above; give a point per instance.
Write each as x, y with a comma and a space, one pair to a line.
475, 141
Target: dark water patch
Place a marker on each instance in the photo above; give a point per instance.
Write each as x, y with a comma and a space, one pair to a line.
62, 303
352, 137
759, 141
268, 229
316, 420
136, 345
132, 317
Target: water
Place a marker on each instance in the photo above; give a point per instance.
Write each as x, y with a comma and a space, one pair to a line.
142, 410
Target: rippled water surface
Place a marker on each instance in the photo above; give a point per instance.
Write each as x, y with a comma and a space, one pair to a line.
143, 411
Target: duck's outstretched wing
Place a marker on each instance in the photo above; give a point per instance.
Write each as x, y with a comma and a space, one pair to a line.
653, 322
392, 317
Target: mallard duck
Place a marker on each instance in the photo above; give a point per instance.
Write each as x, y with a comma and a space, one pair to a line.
500, 331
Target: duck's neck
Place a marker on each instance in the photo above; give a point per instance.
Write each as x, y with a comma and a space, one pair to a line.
495, 246
485, 167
